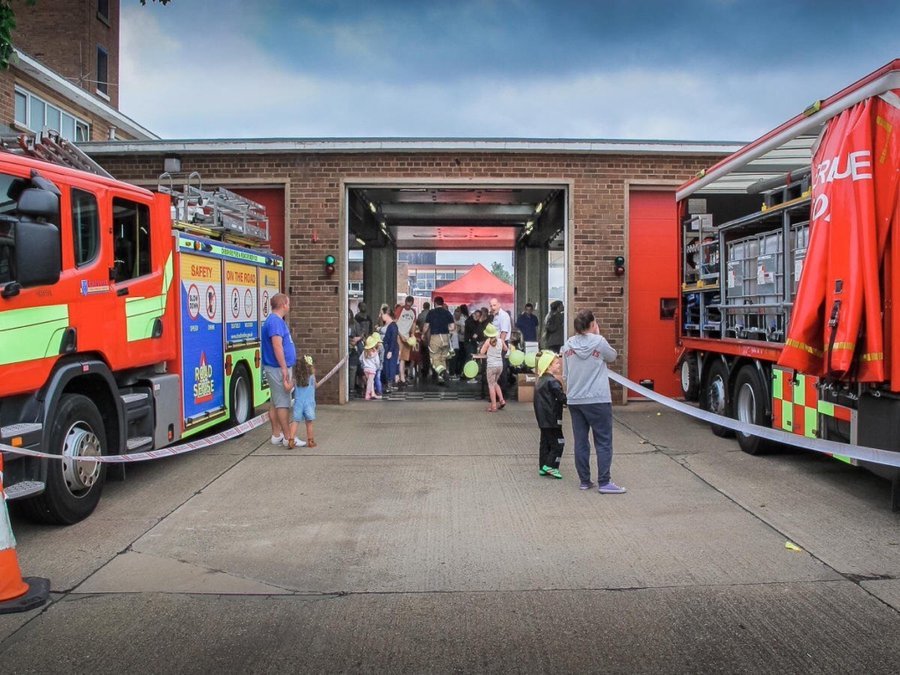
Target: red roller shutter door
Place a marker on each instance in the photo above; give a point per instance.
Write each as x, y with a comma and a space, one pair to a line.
273, 200
652, 269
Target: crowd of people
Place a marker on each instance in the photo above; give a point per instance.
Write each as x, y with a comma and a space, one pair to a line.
402, 344
434, 343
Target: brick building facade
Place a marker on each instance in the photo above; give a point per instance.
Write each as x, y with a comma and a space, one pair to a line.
69, 37
599, 187
64, 75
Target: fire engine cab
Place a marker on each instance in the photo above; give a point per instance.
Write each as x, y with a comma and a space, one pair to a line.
129, 319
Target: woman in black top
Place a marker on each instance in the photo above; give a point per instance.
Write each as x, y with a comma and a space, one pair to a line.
553, 336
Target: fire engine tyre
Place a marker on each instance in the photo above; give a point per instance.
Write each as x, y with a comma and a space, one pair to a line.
714, 397
749, 405
73, 488
240, 396
690, 378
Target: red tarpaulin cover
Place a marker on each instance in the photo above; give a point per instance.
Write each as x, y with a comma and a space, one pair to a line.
476, 288
837, 327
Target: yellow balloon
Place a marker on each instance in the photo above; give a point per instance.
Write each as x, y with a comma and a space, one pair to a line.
516, 358
470, 370
530, 360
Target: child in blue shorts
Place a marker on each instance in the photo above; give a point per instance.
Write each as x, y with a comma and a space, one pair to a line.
304, 401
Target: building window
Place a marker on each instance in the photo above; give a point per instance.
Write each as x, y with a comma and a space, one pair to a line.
36, 114
103, 10
21, 107
85, 227
131, 239
102, 71
36, 120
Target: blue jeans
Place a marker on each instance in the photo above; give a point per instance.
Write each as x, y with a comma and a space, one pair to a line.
378, 382
596, 417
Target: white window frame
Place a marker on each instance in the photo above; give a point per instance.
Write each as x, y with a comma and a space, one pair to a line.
78, 122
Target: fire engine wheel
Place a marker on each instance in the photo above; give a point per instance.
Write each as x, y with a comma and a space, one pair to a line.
690, 378
73, 487
750, 408
714, 397
241, 396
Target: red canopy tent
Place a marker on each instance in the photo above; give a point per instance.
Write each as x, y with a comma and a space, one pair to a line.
475, 289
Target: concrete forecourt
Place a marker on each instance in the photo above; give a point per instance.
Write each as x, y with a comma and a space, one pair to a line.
419, 537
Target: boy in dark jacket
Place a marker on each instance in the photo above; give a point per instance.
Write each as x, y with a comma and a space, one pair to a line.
549, 399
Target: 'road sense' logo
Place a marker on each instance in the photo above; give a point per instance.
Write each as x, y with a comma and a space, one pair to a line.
204, 386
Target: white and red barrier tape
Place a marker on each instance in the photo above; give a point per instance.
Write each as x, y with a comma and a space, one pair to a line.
169, 451
855, 452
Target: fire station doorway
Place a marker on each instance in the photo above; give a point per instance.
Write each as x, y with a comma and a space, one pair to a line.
477, 241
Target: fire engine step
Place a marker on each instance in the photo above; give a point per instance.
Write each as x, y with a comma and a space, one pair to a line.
139, 443
25, 488
132, 398
21, 429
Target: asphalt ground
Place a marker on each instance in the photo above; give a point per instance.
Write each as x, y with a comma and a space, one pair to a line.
418, 537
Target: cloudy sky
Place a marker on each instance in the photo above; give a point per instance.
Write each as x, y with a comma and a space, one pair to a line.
663, 69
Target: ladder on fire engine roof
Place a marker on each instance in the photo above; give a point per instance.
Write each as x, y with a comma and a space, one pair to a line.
218, 213
49, 146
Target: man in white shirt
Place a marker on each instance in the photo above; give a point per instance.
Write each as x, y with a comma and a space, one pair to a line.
501, 321
406, 324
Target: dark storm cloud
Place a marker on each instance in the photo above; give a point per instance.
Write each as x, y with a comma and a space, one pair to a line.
415, 41
700, 69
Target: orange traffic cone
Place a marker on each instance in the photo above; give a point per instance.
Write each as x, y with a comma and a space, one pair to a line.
16, 594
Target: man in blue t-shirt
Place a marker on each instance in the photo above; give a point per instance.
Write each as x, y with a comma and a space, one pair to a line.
437, 337
278, 358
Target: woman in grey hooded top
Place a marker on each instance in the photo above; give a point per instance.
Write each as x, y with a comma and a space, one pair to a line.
585, 356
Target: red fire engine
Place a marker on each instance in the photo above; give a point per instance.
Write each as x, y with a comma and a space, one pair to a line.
789, 260
128, 320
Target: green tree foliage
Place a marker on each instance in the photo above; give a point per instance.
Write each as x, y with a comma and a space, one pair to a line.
499, 271
8, 25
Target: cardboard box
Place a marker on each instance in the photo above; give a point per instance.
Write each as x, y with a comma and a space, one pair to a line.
525, 393
527, 379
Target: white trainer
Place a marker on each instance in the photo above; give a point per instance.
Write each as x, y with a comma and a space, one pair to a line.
277, 440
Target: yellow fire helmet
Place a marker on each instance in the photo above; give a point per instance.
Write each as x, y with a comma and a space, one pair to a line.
377, 336
371, 342
544, 362
491, 331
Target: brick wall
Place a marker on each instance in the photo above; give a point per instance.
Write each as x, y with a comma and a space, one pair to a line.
599, 198
70, 51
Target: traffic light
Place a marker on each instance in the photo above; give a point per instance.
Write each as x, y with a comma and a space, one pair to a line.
329, 264
619, 265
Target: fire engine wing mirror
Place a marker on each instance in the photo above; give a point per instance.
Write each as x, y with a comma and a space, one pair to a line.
38, 203
37, 254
